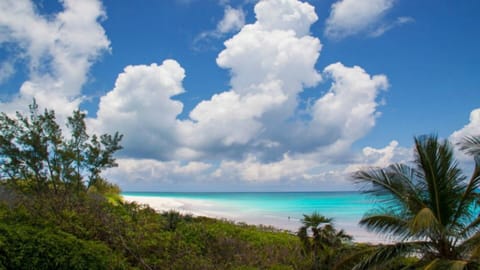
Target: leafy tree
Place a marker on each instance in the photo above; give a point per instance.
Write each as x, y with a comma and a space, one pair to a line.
34, 152
431, 207
326, 241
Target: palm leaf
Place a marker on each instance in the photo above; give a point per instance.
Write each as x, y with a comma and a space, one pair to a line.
469, 245
343, 236
472, 227
439, 264
424, 223
475, 253
443, 179
469, 196
386, 223
409, 177
314, 220
431, 200
470, 145
393, 185
384, 254
348, 261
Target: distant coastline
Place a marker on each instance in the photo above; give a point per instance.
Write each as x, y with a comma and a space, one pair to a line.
282, 210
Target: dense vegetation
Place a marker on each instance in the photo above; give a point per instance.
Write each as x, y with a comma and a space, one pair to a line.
57, 212
91, 233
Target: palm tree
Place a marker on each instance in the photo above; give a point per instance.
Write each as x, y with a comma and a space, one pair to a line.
430, 207
172, 219
325, 241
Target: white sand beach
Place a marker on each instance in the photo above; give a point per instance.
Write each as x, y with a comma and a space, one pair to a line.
200, 207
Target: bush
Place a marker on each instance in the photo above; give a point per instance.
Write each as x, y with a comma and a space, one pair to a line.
26, 247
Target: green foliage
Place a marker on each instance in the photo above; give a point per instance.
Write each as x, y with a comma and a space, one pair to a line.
172, 219
138, 237
431, 207
326, 245
56, 212
26, 247
35, 156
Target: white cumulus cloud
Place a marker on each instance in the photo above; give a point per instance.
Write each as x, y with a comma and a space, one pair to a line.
469, 130
140, 106
142, 170
380, 158
285, 15
348, 111
58, 49
349, 17
271, 61
254, 170
250, 132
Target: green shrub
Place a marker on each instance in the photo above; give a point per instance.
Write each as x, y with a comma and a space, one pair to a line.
25, 247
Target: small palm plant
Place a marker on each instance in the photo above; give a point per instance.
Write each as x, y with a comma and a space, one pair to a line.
325, 240
172, 219
430, 207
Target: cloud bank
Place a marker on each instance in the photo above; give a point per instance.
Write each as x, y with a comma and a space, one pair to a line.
253, 132
258, 131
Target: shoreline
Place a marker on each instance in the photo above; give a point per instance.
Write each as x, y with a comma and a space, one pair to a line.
207, 208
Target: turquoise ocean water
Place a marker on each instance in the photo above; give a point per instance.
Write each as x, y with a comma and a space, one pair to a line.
280, 209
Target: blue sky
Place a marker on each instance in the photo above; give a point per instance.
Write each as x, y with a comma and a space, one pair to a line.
248, 95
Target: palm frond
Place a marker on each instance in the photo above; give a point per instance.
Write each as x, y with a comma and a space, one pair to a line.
393, 185
383, 254
386, 223
348, 261
439, 264
314, 220
431, 200
469, 196
475, 253
476, 171
343, 236
443, 180
409, 178
470, 245
470, 145
424, 223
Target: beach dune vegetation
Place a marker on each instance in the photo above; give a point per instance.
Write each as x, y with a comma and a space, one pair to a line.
57, 212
